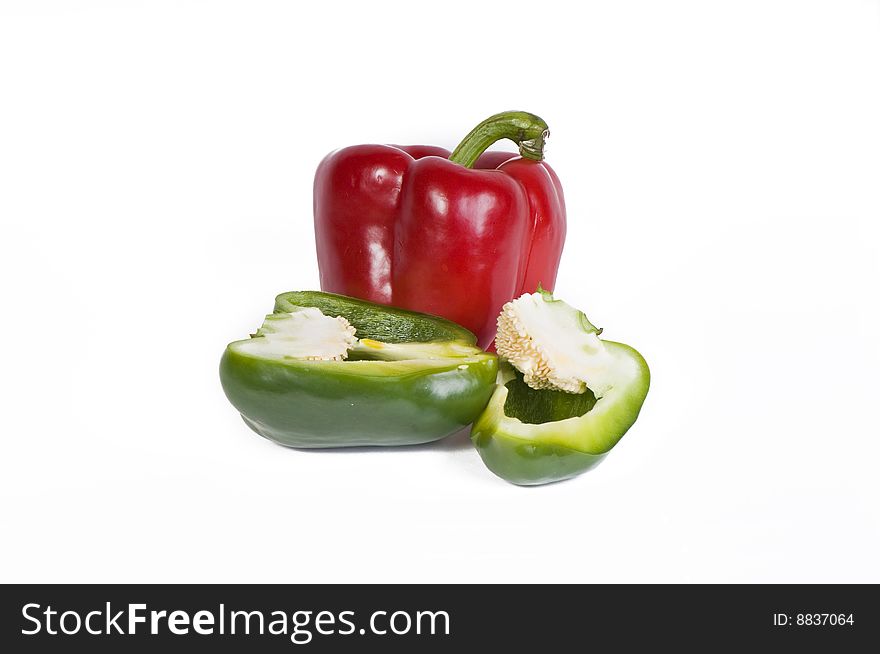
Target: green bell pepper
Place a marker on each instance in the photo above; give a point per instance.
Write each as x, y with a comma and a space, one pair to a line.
331, 371
564, 398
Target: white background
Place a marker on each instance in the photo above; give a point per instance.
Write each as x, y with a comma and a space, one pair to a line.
721, 162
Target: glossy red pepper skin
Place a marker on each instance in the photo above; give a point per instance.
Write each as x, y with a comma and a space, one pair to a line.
404, 225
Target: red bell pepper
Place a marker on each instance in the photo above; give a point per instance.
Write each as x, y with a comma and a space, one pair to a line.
456, 235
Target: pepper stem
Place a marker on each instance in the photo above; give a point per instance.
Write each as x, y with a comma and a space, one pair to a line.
527, 130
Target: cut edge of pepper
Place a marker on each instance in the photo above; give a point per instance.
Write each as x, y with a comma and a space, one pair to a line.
619, 407
371, 367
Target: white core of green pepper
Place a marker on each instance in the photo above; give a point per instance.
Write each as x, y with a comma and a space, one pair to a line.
305, 334
554, 345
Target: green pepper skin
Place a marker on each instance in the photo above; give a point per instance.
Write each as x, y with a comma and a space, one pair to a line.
317, 404
534, 454
529, 464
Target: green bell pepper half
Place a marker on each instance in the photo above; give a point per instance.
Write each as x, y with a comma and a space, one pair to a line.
412, 378
531, 437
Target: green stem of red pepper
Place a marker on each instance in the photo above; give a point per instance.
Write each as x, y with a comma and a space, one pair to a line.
527, 130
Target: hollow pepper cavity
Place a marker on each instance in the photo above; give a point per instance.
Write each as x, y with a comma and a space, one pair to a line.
455, 235
331, 371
